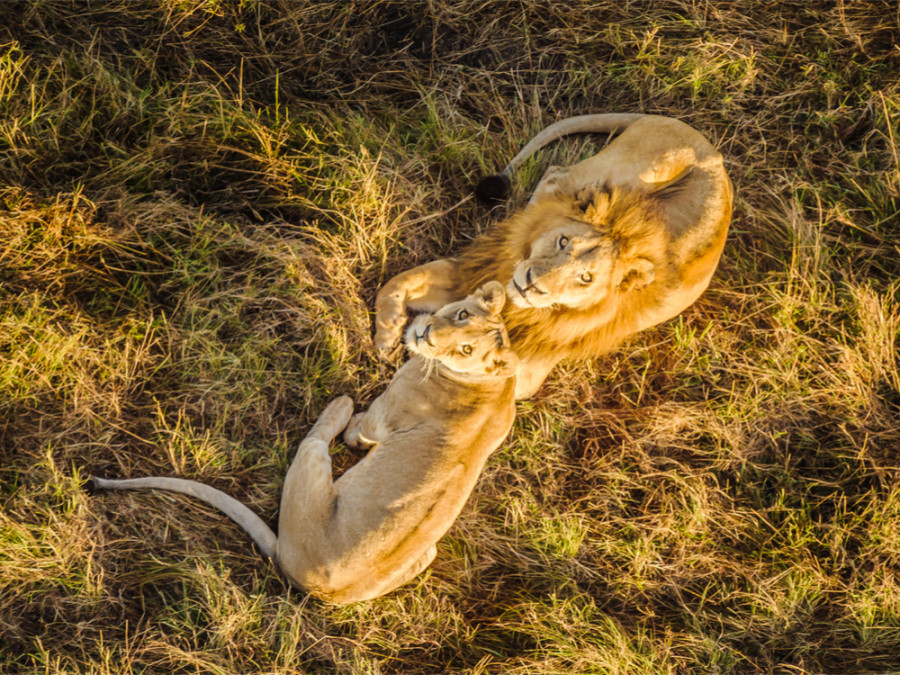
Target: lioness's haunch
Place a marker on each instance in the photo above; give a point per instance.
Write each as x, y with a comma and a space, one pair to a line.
375, 528
615, 244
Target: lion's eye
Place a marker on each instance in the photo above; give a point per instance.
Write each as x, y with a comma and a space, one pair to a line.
587, 277
562, 242
462, 315
465, 350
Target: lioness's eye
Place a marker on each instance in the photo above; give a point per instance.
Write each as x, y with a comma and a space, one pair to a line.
587, 277
465, 349
562, 242
462, 315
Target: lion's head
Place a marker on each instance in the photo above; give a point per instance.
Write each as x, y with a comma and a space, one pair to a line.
601, 243
467, 336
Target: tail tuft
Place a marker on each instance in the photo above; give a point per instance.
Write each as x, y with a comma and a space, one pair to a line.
89, 486
492, 189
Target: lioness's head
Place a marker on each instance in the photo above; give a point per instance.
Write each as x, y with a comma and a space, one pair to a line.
467, 336
584, 252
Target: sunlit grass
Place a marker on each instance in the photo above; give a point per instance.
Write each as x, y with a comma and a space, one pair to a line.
199, 201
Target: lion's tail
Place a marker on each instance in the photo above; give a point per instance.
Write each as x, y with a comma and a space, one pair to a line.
261, 533
493, 188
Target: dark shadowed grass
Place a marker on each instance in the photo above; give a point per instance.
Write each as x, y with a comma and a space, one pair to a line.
198, 203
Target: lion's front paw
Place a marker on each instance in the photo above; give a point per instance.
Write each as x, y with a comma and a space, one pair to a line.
387, 336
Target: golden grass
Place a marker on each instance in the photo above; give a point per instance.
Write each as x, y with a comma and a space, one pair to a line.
199, 200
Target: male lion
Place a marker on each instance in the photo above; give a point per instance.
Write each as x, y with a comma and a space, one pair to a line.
375, 528
616, 243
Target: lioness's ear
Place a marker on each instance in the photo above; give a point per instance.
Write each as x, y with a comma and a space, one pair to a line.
504, 363
639, 272
493, 295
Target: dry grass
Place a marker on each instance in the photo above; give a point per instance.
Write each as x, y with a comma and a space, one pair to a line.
199, 200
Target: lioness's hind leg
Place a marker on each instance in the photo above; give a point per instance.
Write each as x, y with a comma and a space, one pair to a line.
417, 567
406, 574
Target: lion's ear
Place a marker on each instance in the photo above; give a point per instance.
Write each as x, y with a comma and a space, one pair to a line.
639, 272
504, 363
493, 295
594, 204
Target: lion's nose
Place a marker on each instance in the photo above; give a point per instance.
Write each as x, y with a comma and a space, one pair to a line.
529, 280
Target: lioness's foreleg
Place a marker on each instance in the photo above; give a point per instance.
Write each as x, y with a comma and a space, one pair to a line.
309, 481
332, 420
425, 288
353, 436
308, 493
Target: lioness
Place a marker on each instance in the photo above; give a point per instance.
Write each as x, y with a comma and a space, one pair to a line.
616, 243
375, 528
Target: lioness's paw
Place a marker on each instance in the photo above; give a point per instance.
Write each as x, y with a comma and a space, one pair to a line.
334, 418
351, 433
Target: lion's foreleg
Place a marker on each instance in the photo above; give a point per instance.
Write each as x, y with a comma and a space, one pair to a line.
425, 288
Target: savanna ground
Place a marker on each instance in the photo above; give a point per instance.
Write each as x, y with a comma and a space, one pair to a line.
199, 201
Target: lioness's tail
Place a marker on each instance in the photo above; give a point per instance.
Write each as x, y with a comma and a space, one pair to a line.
493, 188
254, 526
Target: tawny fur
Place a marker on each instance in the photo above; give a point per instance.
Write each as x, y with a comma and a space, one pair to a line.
660, 195
431, 431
